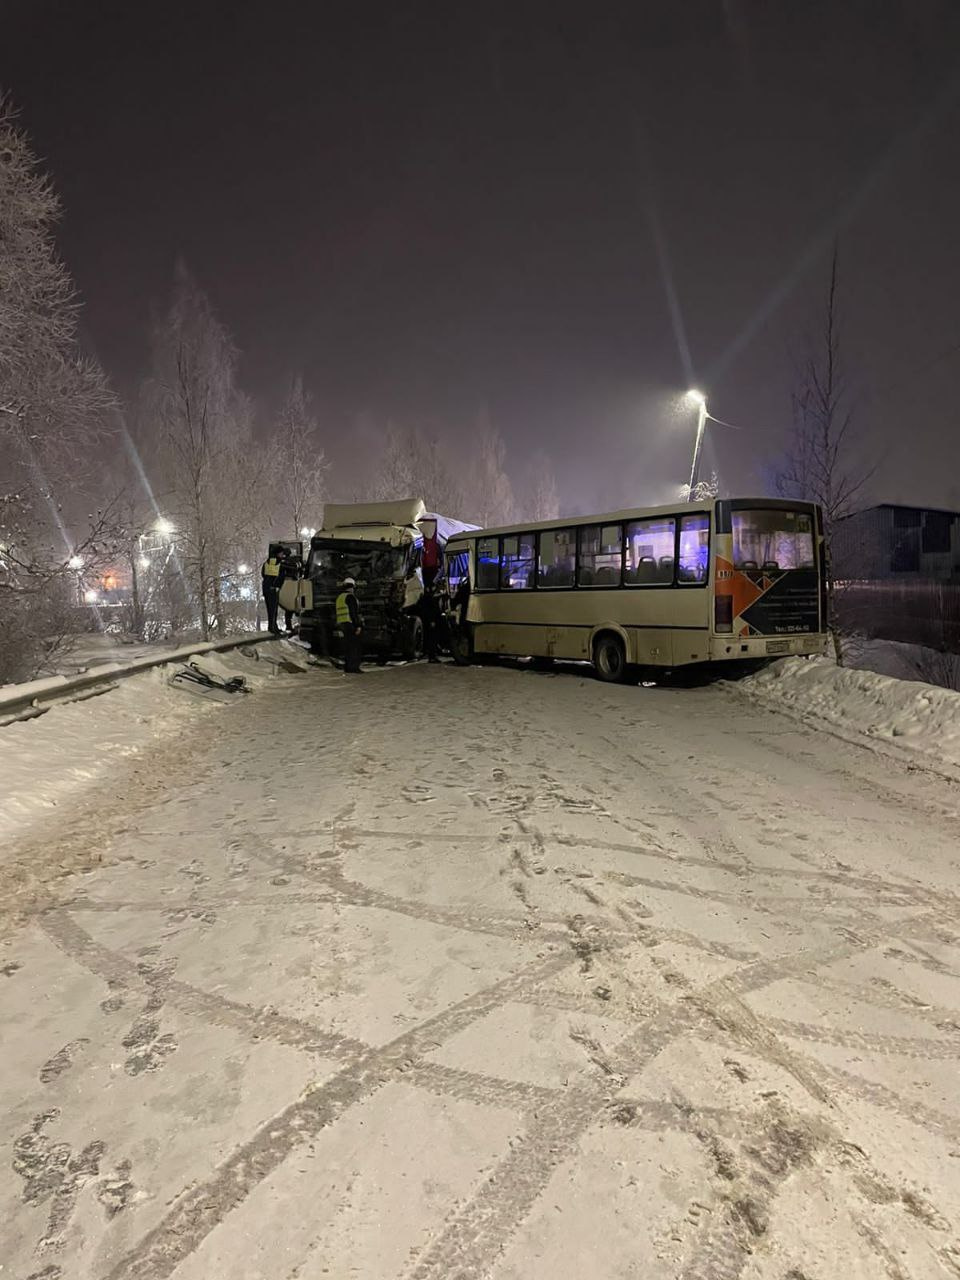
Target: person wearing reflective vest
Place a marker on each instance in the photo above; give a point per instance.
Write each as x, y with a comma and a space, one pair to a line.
270, 585
350, 626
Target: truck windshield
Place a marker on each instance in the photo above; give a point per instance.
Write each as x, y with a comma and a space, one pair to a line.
333, 559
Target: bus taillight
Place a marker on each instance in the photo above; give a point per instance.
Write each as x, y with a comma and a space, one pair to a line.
723, 613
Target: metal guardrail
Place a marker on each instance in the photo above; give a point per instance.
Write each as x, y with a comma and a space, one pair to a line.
36, 699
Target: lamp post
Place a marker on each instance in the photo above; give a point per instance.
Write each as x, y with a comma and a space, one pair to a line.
700, 400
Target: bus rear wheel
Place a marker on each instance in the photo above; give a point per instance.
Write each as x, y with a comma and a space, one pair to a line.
610, 658
461, 645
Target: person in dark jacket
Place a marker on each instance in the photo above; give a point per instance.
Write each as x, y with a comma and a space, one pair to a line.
291, 570
350, 626
270, 585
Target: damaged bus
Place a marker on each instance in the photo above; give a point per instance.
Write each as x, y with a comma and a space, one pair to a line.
724, 580
388, 548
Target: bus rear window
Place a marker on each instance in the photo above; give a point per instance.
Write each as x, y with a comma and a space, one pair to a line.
770, 541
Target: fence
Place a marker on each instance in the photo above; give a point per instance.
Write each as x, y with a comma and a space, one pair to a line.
924, 612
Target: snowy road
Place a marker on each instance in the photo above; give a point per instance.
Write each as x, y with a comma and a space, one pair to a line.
454, 973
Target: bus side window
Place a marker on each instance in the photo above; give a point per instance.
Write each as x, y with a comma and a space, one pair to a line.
558, 558
517, 561
456, 570
601, 555
694, 548
488, 564
649, 552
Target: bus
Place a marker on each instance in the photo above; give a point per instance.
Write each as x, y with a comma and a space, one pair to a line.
725, 580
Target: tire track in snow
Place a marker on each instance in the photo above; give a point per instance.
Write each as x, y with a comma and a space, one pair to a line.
202, 1207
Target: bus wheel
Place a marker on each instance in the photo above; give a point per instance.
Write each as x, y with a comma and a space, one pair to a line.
609, 658
461, 646
412, 647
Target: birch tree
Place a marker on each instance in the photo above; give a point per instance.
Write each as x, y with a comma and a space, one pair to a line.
301, 466
543, 502
204, 422
489, 498
54, 407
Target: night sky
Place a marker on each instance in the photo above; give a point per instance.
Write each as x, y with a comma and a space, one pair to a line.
432, 210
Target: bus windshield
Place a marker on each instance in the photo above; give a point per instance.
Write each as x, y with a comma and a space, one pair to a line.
771, 541
333, 559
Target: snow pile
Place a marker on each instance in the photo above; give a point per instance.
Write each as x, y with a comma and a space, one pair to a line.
44, 762
905, 714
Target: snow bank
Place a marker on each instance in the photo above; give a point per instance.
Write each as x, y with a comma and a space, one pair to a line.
908, 716
44, 762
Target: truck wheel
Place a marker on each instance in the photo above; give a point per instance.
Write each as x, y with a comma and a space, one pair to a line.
609, 658
412, 646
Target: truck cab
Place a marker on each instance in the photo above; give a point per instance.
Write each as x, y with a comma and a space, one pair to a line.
379, 545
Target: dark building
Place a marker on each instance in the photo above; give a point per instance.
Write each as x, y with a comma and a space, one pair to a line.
890, 541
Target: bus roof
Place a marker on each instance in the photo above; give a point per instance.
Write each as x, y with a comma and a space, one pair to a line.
679, 507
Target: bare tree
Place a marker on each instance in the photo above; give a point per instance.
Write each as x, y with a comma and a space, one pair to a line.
543, 501
489, 499
205, 428
300, 463
54, 406
415, 465
825, 461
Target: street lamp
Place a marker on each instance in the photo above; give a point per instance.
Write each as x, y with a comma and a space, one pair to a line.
243, 568
163, 526
700, 400
75, 562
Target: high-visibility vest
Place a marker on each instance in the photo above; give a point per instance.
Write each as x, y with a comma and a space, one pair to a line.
271, 568
343, 609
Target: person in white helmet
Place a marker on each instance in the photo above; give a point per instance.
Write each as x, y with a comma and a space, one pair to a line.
350, 626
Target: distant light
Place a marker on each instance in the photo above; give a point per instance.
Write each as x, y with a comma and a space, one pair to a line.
163, 525
91, 597
307, 533
144, 562
75, 562
696, 397
243, 568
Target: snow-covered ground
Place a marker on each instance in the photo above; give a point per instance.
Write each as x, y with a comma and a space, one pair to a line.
483, 972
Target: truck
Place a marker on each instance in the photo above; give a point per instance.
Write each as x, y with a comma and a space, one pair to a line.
387, 548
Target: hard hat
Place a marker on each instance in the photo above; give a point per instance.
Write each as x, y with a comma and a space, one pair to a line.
348, 582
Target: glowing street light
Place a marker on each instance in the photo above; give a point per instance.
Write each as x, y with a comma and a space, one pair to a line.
163, 525
144, 562
91, 596
243, 568
700, 400
75, 562
307, 533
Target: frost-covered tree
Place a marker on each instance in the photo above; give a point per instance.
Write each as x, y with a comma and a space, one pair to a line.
489, 492
415, 465
542, 500
204, 425
702, 490
54, 406
299, 460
